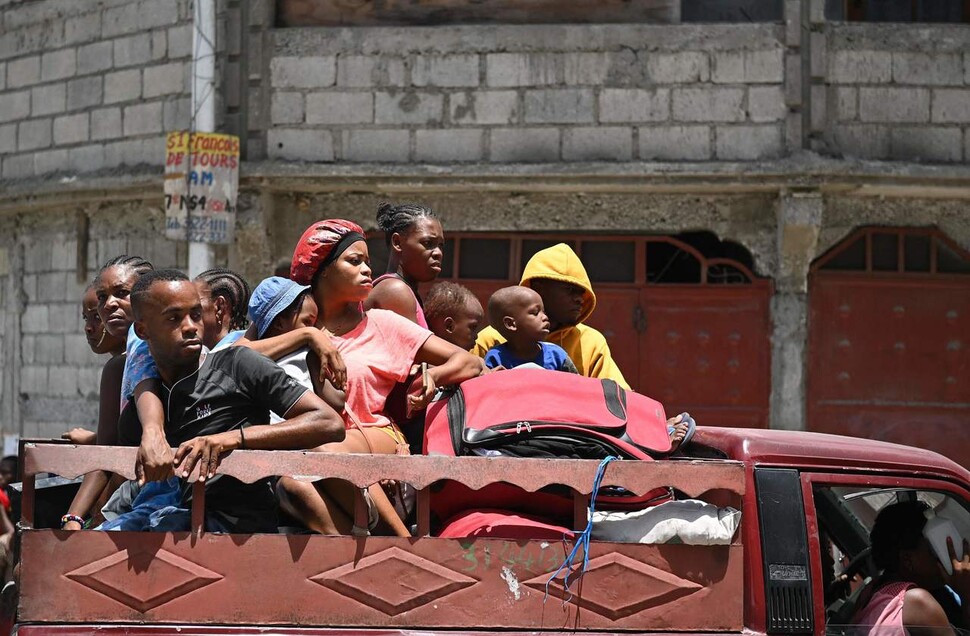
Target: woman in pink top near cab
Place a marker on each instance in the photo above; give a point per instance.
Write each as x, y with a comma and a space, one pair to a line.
901, 602
378, 347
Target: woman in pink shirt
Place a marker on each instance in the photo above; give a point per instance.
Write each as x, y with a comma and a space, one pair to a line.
901, 601
378, 348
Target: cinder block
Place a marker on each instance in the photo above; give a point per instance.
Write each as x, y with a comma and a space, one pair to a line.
58, 65
76, 350
3, 75
793, 79
159, 45
634, 104
764, 67
84, 92
36, 318
49, 348
64, 259
924, 143
357, 71
122, 86
847, 103
62, 381
33, 380
408, 107
105, 123
14, 106
767, 103
18, 166
180, 41
64, 319
48, 161
894, 104
727, 67
793, 22
445, 70
303, 72
143, 119
524, 145
71, 129
8, 139
675, 143
92, 158
523, 69
484, 107
88, 378
939, 69
28, 348
708, 104
177, 113
951, 106
340, 107
446, 146
747, 143
48, 99
819, 108
95, 57
559, 106
120, 19
297, 144
862, 141
79, 29
586, 69
286, 107
164, 79
678, 68
383, 146
156, 14
33, 134
597, 144
23, 72
819, 54
860, 67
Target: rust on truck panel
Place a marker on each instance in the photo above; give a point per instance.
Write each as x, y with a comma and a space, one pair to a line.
121, 577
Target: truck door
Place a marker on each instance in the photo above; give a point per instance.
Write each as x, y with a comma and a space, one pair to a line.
840, 511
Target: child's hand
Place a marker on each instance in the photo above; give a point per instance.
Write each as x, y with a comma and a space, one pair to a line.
418, 402
80, 436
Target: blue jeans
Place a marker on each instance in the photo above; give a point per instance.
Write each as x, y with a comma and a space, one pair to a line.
157, 508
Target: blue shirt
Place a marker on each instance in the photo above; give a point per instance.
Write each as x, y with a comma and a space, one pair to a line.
550, 356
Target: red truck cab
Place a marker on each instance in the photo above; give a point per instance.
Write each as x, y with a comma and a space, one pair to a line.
807, 502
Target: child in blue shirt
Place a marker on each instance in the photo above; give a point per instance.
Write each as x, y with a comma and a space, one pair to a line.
516, 312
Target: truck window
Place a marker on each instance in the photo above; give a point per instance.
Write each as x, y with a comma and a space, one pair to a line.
845, 516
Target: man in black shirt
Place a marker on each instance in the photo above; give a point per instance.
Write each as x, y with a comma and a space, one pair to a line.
215, 403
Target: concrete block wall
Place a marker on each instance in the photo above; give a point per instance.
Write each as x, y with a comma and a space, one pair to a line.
508, 94
87, 85
50, 378
899, 92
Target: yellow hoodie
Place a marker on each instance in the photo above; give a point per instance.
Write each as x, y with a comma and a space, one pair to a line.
586, 346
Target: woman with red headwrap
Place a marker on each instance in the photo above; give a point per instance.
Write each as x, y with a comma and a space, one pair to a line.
378, 348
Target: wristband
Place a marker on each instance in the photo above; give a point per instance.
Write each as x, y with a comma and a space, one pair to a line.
242, 438
66, 519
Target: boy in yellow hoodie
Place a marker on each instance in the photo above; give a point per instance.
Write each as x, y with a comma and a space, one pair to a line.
559, 277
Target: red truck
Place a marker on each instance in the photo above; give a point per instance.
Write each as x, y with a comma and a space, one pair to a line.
807, 502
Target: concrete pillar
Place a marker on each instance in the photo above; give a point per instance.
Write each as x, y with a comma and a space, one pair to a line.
799, 221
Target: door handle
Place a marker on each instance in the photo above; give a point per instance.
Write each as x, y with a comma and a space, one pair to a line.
639, 319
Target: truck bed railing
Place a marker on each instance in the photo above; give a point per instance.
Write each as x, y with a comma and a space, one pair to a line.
382, 582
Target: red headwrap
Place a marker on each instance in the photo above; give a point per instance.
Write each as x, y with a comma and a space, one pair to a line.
320, 245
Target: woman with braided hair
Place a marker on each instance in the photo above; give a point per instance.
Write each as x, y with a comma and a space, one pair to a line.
225, 301
112, 288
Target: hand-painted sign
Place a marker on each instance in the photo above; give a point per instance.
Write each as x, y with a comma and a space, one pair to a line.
201, 184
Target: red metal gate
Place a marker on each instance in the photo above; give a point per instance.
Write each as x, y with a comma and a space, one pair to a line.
686, 328
888, 351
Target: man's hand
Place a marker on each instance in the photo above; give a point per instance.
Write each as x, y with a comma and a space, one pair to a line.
154, 461
205, 451
332, 365
960, 579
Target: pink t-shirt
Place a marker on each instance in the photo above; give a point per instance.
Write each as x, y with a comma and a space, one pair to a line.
419, 316
378, 353
883, 614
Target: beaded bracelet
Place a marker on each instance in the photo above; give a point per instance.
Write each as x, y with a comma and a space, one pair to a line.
68, 518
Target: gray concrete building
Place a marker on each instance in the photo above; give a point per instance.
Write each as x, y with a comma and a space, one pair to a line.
774, 213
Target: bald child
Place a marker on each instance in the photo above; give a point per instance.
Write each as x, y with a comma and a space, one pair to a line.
517, 313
